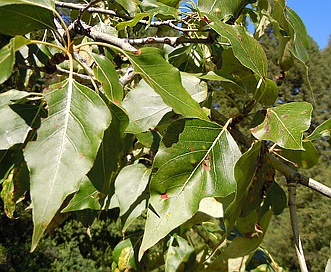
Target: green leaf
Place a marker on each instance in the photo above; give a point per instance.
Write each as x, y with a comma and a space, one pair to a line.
198, 169
47, 4
156, 8
65, 149
245, 170
13, 129
151, 106
7, 60
105, 72
245, 48
165, 80
323, 130
133, 22
243, 246
123, 255
179, 253
223, 9
171, 3
7, 56
306, 158
130, 184
28, 16
285, 125
275, 199
87, 197
111, 151
267, 93
15, 184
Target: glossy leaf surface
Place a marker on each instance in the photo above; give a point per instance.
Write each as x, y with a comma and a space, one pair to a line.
87, 197
165, 80
28, 16
278, 125
105, 72
151, 106
186, 172
223, 9
245, 48
65, 149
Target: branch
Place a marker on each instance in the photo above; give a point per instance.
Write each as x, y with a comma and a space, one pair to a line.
293, 175
89, 31
173, 41
89, 9
170, 23
292, 185
127, 77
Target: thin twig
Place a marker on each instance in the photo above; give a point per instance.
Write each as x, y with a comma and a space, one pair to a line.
292, 185
127, 77
170, 23
89, 31
291, 174
173, 41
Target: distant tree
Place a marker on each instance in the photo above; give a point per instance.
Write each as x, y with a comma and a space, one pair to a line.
163, 111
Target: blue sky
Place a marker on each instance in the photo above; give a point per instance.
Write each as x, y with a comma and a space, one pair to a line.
316, 16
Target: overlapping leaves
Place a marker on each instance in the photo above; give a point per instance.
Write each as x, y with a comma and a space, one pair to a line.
186, 170
65, 149
165, 80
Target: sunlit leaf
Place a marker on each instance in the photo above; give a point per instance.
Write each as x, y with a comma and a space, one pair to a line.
165, 80
267, 93
197, 168
323, 130
245, 48
156, 8
87, 197
28, 15
151, 106
306, 158
123, 255
65, 149
179, 253
223, 9
105, 72
285, 125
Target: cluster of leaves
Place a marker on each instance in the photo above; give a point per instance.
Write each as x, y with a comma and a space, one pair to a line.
155, 147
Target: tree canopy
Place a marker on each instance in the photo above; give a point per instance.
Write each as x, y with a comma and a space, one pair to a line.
169, 112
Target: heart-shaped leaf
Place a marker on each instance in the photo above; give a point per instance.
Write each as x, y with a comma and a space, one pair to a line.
285, 125
65, 149
186, 172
